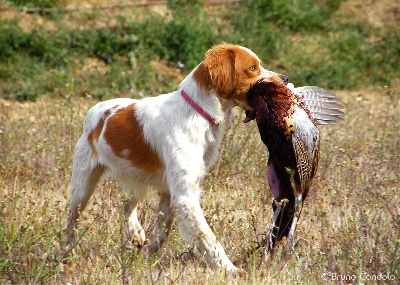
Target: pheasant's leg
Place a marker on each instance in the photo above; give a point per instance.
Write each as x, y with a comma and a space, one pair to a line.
298, 205
270, 238
269, 242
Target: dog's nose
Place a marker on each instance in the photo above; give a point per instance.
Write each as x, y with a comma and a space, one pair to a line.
285, 78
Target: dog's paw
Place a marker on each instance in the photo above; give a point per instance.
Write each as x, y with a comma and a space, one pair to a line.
137, 234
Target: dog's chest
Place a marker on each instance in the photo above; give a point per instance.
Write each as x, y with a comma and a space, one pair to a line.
213, 144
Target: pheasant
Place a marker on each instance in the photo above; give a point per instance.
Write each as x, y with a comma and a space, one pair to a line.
287, 119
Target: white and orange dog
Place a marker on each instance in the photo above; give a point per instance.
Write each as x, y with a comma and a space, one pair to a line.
168, 143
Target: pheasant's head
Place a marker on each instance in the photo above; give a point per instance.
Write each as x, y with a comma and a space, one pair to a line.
263, 94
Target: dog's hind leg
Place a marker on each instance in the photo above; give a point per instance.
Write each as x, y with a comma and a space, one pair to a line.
136, 231
164, 221
85, 177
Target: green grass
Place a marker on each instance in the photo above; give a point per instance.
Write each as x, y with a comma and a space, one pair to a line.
314, 42
33, 3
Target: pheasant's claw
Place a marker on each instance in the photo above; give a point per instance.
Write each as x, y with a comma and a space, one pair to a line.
291, 235
298, 207
269, 237
281, 203
269, 242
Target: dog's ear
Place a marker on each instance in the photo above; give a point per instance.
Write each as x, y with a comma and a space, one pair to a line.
220, 63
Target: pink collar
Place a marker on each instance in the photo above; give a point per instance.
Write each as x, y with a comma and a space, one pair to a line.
199, 109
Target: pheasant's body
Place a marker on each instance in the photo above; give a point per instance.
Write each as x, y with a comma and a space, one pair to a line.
288, 129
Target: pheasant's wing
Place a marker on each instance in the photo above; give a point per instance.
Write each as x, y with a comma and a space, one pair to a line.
323, 105
303, 161
306, 140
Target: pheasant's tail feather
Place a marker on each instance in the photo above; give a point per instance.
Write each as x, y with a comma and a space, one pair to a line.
323, 105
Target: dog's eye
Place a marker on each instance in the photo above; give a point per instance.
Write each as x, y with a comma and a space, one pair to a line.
253, 68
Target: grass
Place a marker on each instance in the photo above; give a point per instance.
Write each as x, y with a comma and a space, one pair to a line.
350, 224
315, 42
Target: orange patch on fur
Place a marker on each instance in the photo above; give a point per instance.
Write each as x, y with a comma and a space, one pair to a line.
96, 132
220, 63
125, 136
202, 77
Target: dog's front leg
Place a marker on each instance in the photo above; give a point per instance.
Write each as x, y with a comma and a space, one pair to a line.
194, 229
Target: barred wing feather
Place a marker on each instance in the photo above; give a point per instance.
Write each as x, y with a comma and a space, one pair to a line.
306, 140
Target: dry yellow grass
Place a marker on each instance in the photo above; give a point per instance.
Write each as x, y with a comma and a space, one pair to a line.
350, 224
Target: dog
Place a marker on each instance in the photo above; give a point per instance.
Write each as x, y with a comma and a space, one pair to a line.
167, 142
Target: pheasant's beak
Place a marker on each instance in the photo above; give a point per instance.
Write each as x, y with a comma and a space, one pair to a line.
270, 74
250, 115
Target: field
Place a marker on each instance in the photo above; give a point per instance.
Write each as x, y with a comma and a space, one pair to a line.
349, 231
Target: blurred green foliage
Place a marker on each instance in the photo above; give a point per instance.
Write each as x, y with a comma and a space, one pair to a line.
34, 3
311, 41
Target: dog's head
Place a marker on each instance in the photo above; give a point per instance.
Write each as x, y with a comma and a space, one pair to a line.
230, 70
